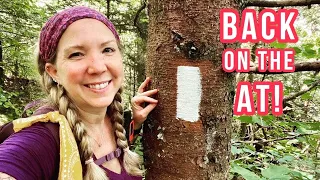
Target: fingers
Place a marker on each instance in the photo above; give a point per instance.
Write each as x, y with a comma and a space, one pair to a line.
150, 92
143, 103
141, 116
141, 99
149, 108
144, 85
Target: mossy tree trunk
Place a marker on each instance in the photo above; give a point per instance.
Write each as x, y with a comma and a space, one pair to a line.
2, 75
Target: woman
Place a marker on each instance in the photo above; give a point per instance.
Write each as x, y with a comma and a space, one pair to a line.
81, 68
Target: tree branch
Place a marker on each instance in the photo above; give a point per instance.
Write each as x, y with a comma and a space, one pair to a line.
281, 3
136, 18
108, 9
273, 140
300, 66
293, 96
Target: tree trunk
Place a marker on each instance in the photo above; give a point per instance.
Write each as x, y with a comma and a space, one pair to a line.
188, 135
108, 9
2, 76
279, 3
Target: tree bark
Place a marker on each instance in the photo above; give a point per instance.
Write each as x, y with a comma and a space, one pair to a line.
281, 3
300, 66
2, 75
108, 8
136, 20
295, 95
186, 34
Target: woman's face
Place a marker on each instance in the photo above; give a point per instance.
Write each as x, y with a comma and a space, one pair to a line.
88, 64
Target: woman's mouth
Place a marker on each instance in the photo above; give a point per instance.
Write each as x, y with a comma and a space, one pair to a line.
98, 86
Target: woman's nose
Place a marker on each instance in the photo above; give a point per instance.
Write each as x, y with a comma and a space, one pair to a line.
96, 64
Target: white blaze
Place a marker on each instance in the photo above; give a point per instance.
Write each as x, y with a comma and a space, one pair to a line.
188, 93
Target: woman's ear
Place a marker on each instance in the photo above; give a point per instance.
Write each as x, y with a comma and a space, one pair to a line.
52, 71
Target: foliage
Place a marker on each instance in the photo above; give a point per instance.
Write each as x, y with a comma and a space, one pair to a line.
278, 158
284, 147
6, 101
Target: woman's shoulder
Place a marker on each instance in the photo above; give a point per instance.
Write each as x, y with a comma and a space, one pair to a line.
32, 152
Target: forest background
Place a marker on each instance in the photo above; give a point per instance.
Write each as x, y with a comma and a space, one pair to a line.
263, 147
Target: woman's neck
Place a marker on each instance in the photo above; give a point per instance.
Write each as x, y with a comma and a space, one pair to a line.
98, 126
92, 119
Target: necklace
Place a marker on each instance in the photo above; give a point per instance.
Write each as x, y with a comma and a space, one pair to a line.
99, 144
100, 135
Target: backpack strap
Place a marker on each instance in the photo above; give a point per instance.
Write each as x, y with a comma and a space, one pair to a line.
54, 129
7, 129
29, 106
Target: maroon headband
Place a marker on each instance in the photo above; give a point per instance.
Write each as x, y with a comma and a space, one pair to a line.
56, 25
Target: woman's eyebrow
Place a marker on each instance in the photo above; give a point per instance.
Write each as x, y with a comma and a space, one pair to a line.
70, 48
80, 47
108, 42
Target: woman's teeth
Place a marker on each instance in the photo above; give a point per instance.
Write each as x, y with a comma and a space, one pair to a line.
99, 86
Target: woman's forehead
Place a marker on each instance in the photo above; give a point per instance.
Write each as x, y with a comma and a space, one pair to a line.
88, 26
86, 31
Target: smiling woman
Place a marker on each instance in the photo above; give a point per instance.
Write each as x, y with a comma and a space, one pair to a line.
81, 68
90, 67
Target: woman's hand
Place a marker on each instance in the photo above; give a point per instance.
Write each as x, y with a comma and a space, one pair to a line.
139, 111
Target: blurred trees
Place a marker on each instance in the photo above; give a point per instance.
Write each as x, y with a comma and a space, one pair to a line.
20, 24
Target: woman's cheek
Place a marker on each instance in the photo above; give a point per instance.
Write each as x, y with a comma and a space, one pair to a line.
75, 74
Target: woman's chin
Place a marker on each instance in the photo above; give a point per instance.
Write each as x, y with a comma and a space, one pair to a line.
101, 103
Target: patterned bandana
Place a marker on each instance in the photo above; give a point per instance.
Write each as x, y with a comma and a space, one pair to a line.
56, 25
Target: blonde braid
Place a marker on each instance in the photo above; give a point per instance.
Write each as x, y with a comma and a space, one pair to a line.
131, 160
59, 99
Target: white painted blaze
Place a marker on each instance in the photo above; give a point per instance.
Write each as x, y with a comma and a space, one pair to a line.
188, 93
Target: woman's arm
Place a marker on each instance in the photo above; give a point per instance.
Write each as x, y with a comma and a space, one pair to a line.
4, 176
32, 153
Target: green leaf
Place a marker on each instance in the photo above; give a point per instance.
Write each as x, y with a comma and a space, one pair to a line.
3, 98
279, 147
296, 174
235, 150
297, 50
308, 81
306, 96
292, 141
308, 46
258, 120
278, 45
286, 159
314, 126
245, 173
248, 151
268, 119
276, 172
245, 119
309, 52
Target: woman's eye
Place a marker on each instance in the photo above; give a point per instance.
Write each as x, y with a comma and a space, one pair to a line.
108, 50
75, 54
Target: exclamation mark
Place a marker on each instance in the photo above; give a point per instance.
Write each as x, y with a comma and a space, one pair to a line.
277, 99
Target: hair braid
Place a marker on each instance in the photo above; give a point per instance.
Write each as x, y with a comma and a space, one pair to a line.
132, 160
59, 99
